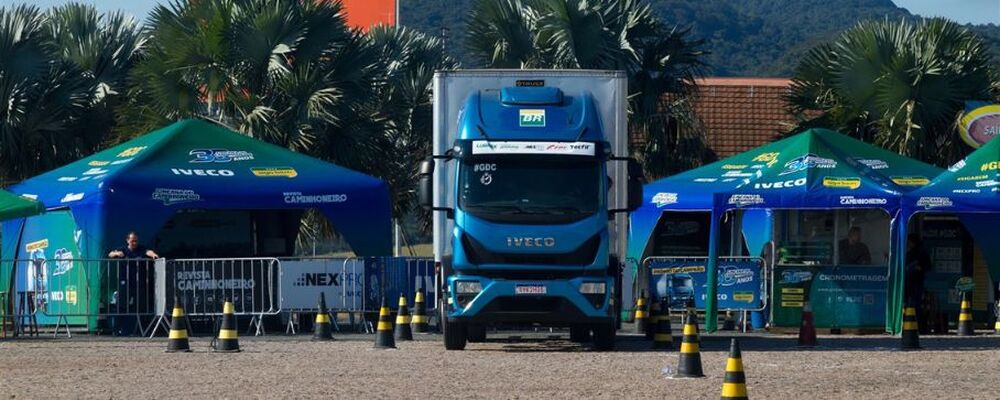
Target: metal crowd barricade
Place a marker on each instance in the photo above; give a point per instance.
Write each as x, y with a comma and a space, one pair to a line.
203, 285
341, 280
66, 292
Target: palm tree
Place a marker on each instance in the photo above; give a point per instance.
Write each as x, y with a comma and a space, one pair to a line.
661, 63
899, 84
61, 73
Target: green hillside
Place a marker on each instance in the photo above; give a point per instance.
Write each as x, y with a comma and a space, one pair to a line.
745, 37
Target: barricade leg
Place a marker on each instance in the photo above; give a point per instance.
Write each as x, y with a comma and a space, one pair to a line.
292, 319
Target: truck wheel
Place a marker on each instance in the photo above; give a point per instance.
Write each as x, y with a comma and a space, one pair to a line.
454, 335
477, 333
604, 337
579, 334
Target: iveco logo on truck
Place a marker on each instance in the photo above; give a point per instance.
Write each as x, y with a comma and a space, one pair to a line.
530, 241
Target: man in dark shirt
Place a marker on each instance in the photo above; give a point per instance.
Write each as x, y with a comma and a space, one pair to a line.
918, 264
133, 249
134, 295
852, 250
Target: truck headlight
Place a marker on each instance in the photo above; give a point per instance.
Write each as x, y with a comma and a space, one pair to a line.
592, 288
468, 287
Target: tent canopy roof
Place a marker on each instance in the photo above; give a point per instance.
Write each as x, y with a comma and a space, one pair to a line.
14, 206
201, 165
816, 168
971, 185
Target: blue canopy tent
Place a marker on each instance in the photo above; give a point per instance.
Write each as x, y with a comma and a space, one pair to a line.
969, 189
194, 165
817, 169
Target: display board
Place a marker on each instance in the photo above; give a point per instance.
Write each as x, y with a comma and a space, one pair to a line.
678, 280
841, 297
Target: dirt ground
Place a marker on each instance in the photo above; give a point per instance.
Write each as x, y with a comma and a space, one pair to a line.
845, 367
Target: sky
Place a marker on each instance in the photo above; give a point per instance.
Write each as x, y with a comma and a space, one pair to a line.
963, 11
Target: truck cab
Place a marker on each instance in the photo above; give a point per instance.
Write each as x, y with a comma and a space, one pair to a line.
530, 237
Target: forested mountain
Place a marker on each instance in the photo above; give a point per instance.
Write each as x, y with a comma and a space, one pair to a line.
745, 37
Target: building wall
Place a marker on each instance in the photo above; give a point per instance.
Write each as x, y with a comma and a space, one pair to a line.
367, 13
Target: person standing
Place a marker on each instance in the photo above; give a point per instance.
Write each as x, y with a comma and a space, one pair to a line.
133, 297
852, 250
918, 263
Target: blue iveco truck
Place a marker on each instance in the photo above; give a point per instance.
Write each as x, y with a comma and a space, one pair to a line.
529, 183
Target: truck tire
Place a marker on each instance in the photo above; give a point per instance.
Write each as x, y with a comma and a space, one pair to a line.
579, 333
454, 335
604, 337
476, 333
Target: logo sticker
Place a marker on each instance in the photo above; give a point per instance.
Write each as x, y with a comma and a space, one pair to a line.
807, 161
71, 197
734, 166
486, 178
39, 245
299, 198
175, 196
842, 183
782, 184
872, 163
862, 201
972, 178
746, 199
272, 172
219, 155
796, 276
910, 180
131, 151
931, 202
767, 158
202, 172
532, 118
97, 163
662, 199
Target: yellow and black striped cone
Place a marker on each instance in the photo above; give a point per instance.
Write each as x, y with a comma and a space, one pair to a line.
322, 328
177, 340
418, 321
640, 314
911, 332
403, 331
663, 339
689, 365
228, 340
734, 385
965, 317
383, 334
654, 316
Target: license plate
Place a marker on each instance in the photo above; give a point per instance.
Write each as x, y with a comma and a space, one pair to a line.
529, 289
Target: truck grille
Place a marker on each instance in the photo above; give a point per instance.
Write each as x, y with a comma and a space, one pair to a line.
583, 255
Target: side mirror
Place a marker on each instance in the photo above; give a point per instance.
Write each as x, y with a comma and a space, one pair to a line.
635, 181
425, 185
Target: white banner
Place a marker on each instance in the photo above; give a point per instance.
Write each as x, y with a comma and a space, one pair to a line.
541, 148
341, 280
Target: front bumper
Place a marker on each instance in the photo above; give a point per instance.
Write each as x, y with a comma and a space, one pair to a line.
561, 304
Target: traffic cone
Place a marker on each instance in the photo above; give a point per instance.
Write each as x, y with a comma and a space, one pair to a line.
228, 341
663, 339
807, 328
654, 317
689, 365
640, 314
383, 334
996, 312
178, 339
418, 322
965, 317
911, 332
734, 385
403, 331
322, 329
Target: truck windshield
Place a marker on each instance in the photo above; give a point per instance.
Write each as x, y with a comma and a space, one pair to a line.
537, 189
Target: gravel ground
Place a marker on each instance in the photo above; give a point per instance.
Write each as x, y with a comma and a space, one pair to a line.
846, 367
